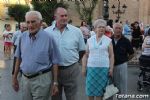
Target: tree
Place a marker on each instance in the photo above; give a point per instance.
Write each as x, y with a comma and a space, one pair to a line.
18, 11
47, 7
2, 11
85, 9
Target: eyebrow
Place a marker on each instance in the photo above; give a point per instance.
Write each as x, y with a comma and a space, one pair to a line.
32, 21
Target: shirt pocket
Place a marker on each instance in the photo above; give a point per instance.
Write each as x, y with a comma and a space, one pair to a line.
42, 57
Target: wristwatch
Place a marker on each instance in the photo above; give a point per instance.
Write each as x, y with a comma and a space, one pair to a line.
55, 83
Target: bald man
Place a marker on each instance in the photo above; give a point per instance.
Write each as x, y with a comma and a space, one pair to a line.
71, 43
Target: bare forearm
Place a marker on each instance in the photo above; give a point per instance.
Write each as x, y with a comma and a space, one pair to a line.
17, 67
55, 73
84, 61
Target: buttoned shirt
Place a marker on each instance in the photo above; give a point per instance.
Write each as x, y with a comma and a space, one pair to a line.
37, 54
70, 42
98, 51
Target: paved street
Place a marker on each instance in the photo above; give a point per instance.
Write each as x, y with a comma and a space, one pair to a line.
7, 92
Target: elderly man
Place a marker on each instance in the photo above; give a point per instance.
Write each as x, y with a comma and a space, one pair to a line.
123, 52
36, 55
70, 42
15, 39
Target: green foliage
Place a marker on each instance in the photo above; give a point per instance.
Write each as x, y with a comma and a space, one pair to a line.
18, 12
47, 8
85, 9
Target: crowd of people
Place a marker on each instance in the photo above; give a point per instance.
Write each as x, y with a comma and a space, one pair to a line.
48, 56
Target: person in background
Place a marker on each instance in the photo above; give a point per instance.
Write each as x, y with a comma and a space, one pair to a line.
146, 46
85, 30
109, 31
123, 52
72, 47
98, 62
15, 39
7, 35
36, 56
44, 25
136, 39
127, 30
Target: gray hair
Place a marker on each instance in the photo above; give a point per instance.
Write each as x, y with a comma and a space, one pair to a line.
99, 22
36, 13
117, 24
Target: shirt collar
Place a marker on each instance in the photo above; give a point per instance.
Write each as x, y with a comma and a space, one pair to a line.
36, 35
54, 26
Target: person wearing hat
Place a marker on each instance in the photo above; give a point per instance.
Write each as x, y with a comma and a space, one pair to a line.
98, 61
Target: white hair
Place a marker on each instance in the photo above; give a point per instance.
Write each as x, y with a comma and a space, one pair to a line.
99, 22
35, 13
117, 24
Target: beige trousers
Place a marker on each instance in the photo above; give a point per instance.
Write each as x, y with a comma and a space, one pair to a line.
37, 88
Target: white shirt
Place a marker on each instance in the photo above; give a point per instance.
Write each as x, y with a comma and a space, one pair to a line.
8, 36
98, 52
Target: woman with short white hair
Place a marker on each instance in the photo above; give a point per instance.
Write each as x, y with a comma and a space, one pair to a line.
98, 61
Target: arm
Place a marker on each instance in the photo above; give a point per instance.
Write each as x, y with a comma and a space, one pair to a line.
111, 59
84, 62
55, 56
81, 53
55, 73
15, 83
130, 50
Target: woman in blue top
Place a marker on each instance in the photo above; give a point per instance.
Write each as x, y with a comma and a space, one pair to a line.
98, 61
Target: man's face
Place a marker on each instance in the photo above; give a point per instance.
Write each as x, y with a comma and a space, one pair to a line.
117, 30
23, 27
33, 24
61, 16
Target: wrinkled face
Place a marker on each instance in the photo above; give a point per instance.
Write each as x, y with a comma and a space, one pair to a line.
117, 30
100, 30
33, 24
61, 16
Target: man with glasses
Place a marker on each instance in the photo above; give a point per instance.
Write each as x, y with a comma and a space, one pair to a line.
37, 55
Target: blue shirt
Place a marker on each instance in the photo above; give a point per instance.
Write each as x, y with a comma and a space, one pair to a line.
16, 36
38, 54
126, 29
70, 42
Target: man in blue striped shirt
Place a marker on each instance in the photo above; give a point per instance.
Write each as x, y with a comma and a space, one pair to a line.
36, 54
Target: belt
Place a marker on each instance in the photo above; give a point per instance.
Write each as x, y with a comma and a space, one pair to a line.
65, 67
37, 74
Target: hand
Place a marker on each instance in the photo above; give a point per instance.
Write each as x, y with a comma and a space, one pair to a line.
54, 90
111, 72
15, 84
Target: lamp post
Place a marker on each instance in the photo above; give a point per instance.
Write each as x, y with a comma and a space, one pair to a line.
105, 9
118, 10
